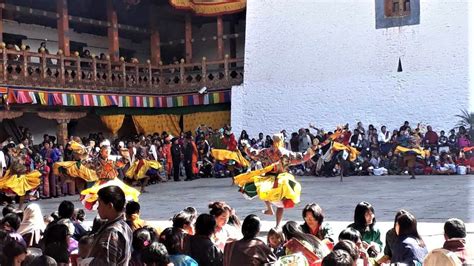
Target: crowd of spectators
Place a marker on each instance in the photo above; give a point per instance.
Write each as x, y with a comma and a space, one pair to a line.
119, 236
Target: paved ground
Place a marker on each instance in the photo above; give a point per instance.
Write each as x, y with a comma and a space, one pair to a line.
432, 199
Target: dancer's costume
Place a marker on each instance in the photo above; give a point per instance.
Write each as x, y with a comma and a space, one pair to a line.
409, 155
18, 179
141, 167
80, 168
273, 183
107, 176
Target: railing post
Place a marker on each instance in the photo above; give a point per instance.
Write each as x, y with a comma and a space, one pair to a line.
137, 72
4, 62
162, 82
109, 70
25, 62
150, 74
62, 68
78, 67
94, 69
204, 71
43, 64
124, 72
226, 67
181, 71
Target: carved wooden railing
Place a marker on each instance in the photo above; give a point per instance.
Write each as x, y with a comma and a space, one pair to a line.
76, 73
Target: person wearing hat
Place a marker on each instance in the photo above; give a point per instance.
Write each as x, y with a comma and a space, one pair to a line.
107, 174
18, 180
273, 184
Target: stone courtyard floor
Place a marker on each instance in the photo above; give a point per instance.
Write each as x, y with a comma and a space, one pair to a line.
432, 199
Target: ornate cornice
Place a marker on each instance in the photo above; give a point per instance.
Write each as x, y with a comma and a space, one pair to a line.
62, 117
10, 114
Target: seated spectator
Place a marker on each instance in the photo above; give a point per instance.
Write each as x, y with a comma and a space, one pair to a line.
349, 247
200, 246
409, 248
115, 235
14, 253
173, 239
42, 260
56, 243
292, 230
85, 244
10, 224
32, 226
276, 241
156, 255
364, 222
185, 220
390, 239
249, 250
224, 230
338, 258
442, 257
9, 208
455, 236
313, 223
132, 215
141, 239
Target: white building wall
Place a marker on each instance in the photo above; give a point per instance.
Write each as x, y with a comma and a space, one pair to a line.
323, 62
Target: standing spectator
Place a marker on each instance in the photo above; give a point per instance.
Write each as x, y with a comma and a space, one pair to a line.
190, 157
176, 157
443, 144
51, 156
304, 141
294, 142
431, 139
112, 243
260, 141
453, 141
455, 236
167, 155
249, 250
409, 248
463, 138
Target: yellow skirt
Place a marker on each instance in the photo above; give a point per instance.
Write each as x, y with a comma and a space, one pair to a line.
282, 190
237, 156
89, 196
71, 169
22, 183
142, 172
413, 151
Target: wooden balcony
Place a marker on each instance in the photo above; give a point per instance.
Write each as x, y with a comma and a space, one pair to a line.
74, 73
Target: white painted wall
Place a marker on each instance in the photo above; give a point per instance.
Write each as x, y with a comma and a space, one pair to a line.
324, 62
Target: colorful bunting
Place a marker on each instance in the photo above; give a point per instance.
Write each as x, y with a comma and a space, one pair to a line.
57, 98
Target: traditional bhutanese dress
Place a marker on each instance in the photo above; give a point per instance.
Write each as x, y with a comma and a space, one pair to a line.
16, 180
273, 183
76, 169
107, 174
142, 168
409, 154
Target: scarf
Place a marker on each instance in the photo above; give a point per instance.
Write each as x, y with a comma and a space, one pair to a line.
32, 223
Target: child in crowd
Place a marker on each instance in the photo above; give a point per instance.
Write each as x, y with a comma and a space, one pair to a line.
276, 241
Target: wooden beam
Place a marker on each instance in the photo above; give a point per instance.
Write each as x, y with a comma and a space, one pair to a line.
112, 31
188, 35
155, 48
220, 40
63, 27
